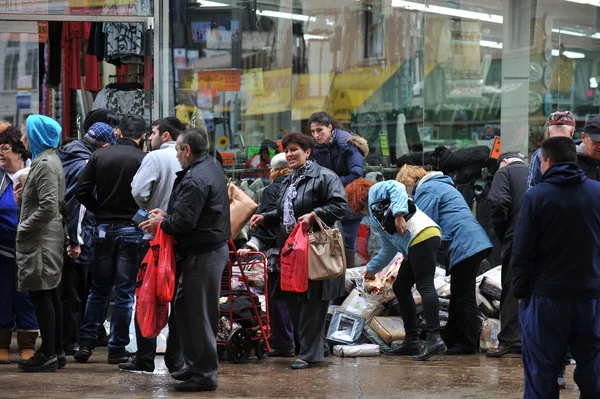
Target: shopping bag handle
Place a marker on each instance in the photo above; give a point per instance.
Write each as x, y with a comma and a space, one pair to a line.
320, 222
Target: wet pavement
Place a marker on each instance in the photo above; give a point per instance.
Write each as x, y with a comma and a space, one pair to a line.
377, 377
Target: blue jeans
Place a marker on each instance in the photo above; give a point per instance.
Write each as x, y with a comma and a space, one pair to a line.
15, 307
548, 327
117, 258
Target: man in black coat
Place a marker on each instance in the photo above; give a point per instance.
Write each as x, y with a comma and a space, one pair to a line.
588, 152
198, 218
508, 189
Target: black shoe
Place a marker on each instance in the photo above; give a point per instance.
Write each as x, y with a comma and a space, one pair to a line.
503, 350
300, 364
433, 346
118, 356
133, 366
408, 347
83, 354
193, 386
71, 349
460, 349
289, 352
183, 375
62, 360
39, 363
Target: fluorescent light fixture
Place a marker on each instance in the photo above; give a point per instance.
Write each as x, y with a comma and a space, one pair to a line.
453, 12
593, 83
211, 4
314, 37
285, 15
486, 43
568, 32
568, 54
588, 2
596, 35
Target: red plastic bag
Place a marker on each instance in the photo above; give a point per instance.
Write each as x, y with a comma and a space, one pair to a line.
294, 261
152, 314
165, 279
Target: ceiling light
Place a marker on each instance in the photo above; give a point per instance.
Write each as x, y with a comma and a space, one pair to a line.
211, 4
285, 15
314, 37
453, 12
588, 2
596, 35
486, 43
568, 32
568, 54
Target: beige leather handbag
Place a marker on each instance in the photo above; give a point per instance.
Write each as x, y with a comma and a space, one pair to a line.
326, 256
241, 208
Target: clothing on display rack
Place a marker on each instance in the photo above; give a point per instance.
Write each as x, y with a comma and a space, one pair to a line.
122, 98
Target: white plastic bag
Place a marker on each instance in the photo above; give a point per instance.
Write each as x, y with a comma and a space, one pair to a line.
363, 350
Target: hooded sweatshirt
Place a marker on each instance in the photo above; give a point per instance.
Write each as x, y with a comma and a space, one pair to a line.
590, 166
74, 156
43, 133
557, 238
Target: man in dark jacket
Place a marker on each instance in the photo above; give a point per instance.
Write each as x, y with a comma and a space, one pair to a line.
198, 219
588, 152
556, 268
105, 189
80, 226
507, 192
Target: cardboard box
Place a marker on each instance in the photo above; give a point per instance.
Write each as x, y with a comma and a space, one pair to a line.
389, 328
361, 305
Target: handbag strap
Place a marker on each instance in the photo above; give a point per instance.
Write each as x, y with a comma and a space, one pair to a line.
320, 222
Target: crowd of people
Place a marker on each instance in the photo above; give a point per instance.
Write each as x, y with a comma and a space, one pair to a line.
70, 238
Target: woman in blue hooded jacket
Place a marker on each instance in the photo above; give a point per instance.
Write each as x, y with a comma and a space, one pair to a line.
343, 153
465, 244
40, 239
404, 228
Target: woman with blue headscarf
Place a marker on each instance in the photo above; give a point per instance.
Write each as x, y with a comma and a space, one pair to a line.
40, 239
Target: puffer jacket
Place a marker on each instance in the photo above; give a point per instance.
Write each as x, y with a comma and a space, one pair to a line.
321, 191
590, 166
391, 244
461, 233
40, 234
80, 222
341, 156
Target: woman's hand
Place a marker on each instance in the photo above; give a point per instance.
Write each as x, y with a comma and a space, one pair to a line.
369, 276
155, 212
256, 221
306, 221
18, 192
243, 253
400, 223
74, 251
151, 225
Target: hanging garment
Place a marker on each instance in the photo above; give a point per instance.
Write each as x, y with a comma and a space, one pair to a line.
123, 39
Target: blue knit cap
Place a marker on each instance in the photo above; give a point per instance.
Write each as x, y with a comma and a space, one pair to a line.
103, 132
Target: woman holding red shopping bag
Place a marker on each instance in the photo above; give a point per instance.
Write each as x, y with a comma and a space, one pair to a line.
309, 188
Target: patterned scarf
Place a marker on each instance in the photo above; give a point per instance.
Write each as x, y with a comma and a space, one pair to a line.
289, 217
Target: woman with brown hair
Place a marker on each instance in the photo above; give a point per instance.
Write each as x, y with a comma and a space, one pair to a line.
308, 190
464, 244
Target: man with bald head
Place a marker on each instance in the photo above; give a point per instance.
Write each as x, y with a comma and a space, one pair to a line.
561, 123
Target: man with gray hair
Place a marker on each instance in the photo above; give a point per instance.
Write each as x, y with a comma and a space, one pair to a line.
560, 123
198, 218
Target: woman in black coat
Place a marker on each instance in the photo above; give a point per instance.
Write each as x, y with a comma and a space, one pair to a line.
309, 188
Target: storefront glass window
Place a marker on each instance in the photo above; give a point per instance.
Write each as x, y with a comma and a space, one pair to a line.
77, 7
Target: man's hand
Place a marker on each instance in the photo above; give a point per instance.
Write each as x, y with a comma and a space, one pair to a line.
74, 251
151, 225
306, 221
400, 223
18, 192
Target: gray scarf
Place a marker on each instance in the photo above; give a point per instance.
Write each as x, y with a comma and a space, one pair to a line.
289, 216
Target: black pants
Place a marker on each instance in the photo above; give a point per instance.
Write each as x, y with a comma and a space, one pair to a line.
419, 267
510, 330
462, 315
48, 311
309, 317
73, 294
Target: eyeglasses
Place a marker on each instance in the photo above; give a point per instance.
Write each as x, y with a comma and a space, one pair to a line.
5, 148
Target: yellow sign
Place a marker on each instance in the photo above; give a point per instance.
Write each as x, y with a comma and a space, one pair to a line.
311, 94
385, 149
24, 6
277, 93
253, 81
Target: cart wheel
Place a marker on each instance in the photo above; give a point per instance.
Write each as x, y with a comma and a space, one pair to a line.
260, 349
239, 345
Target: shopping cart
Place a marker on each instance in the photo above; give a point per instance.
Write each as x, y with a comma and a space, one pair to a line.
244, 324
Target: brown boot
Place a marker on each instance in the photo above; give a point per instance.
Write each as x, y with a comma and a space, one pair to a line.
26, 341
5, 337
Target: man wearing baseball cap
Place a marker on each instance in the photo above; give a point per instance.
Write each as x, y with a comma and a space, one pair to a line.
80, 223
588, 152
560, 123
